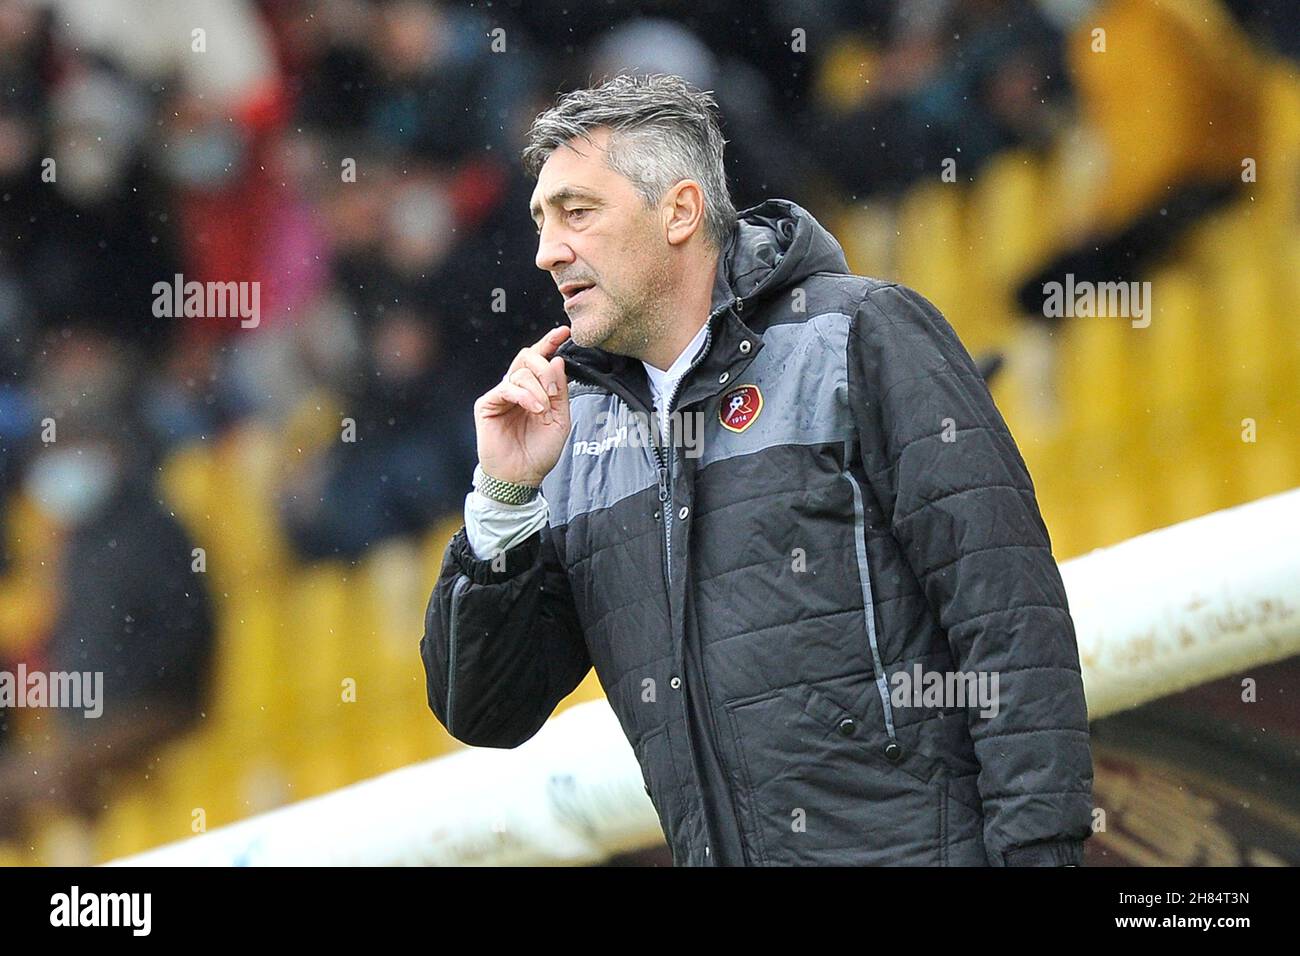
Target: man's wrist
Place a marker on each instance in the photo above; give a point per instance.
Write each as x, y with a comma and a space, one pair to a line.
501, 491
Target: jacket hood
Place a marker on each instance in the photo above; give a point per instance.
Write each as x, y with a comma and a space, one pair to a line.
774, 246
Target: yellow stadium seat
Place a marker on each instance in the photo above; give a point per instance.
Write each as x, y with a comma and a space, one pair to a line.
933, 248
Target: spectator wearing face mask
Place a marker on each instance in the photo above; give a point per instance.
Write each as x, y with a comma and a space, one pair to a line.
129, 605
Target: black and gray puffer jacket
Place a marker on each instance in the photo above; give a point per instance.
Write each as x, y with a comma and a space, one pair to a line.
839, 505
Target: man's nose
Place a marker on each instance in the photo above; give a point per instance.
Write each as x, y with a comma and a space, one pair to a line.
551, 251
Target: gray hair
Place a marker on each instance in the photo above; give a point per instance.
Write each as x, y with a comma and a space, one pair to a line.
663, 130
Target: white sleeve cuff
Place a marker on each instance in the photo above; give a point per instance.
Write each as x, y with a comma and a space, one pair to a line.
493, 527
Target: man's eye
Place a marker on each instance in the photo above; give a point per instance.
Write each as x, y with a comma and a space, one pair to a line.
576, 212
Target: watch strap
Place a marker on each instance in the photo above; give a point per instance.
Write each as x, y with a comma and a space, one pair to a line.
505, 492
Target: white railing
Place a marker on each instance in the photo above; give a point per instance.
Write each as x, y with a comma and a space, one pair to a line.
1162, 612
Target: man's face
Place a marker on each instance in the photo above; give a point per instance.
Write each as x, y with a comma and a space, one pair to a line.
595, 232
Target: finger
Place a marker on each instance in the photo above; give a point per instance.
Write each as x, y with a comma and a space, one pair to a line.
507, 395
562, 380
517, 363
551, 341
527, 379
540, 367
545, 347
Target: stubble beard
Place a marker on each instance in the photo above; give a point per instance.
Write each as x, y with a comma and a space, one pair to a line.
630, 325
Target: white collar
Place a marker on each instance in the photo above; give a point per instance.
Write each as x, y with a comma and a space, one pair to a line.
661, 381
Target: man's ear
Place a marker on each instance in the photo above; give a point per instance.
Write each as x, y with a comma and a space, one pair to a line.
683, 211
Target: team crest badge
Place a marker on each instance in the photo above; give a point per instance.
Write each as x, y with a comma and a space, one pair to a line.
739, 407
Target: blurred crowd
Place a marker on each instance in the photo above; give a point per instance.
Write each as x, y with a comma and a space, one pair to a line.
358, 160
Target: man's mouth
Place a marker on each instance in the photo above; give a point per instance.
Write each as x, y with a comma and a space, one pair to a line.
573, 291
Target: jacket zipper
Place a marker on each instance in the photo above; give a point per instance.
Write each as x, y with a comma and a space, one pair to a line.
665, 499
665, 456
663, 459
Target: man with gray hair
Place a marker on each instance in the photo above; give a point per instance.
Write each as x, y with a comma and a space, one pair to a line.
815, 493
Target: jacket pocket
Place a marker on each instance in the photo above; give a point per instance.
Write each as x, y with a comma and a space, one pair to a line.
863, 723
961, 810
869, 731
658, 774
809, 795
961, 814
